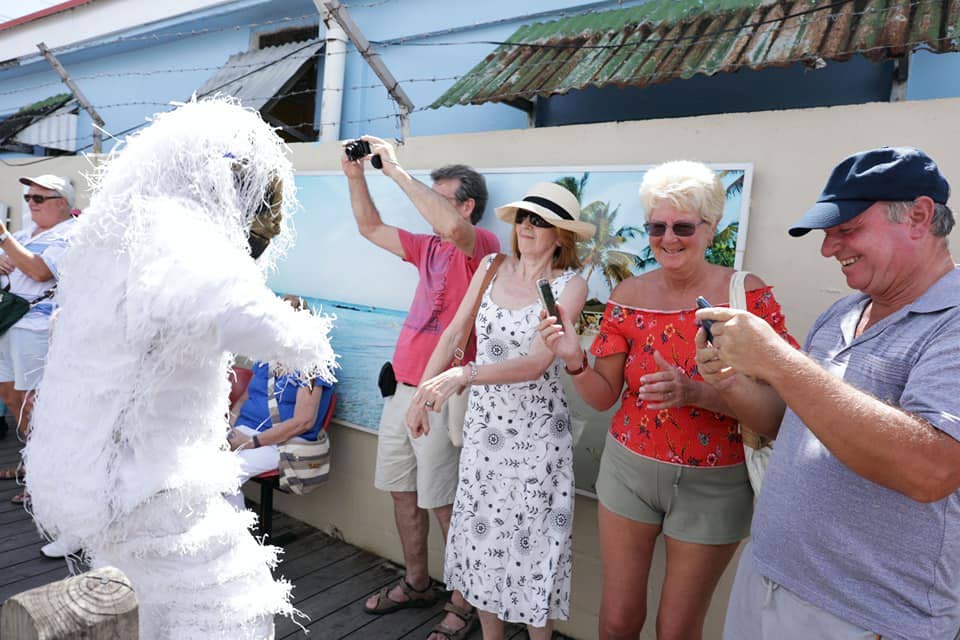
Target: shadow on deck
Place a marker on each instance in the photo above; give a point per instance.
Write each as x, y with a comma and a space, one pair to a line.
331, 578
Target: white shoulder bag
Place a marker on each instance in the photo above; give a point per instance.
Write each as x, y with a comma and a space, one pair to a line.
756, 448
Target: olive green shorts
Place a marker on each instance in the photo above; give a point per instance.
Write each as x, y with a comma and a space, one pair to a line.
703, 505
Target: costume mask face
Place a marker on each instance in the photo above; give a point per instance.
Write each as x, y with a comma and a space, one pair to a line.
266, 221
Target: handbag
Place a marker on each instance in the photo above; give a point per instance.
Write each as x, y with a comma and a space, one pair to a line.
387, 380
14, 307
457, 403
304, 465
757, 448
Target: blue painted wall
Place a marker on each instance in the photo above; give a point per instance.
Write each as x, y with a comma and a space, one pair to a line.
401, 29
933, 76
853, 82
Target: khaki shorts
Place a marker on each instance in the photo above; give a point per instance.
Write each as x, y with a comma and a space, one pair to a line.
427, 465
761, 609
691, 504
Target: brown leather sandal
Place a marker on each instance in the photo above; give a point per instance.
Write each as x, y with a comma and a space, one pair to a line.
469, 617
416, 598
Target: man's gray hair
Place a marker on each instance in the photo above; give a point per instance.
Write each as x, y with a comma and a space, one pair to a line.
940, 226
472, 185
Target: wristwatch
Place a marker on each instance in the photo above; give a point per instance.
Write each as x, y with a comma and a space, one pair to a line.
4, 236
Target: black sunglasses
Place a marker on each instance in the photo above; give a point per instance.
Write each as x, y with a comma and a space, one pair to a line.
534, 219
680, 229
38, 199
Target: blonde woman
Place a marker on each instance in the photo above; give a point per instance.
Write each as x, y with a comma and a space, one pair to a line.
508, 550
673, 460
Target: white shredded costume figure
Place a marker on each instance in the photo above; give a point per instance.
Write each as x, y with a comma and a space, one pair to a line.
127, 455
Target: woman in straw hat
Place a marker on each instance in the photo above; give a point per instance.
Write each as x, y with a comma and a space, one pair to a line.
673, 460
508, 550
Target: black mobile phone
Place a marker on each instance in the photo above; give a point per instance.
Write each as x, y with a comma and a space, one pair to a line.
546, 297
706, 324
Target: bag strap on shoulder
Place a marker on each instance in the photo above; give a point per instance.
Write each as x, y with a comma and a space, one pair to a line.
738, 300
738, 292
460, 352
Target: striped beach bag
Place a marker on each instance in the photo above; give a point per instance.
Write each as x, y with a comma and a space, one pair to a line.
304, 464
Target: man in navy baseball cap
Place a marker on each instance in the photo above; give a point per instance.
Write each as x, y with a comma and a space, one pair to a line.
859, 517
891, 174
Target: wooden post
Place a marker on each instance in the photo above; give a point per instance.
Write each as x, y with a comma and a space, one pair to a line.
82, 99
97, 605
340, 14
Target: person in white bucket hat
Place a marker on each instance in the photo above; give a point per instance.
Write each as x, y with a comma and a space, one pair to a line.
29, 261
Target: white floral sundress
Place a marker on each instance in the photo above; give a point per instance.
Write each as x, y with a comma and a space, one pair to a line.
508, 550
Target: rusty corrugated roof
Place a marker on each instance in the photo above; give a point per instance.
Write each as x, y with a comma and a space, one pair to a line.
255, 77
664, 40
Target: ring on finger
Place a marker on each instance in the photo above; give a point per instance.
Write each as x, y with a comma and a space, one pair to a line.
428, 404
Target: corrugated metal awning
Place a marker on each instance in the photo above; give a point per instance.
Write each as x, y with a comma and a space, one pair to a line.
256, 77
58, 130
33, 114
664, 40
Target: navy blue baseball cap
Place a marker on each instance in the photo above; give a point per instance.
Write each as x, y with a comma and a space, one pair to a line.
890, 174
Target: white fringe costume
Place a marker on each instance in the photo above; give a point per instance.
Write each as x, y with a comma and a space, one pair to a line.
128, 451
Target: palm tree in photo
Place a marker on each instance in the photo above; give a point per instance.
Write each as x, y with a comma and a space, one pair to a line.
602, 250
723, 249
575, 186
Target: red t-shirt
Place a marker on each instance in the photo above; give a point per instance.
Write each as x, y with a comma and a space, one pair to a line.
445, 274
689, 436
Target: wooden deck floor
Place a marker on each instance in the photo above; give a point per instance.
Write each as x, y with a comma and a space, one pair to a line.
331, 578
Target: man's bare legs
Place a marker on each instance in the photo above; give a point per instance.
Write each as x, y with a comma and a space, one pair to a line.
413, 525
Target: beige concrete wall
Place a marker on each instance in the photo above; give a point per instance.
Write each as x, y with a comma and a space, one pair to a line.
792, 153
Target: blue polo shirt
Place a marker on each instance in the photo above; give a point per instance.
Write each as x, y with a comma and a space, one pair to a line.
256, 414
863, 552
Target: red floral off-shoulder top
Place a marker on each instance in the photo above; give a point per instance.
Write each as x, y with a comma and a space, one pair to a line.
689, 436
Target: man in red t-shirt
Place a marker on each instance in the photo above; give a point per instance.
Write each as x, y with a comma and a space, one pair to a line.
421, 473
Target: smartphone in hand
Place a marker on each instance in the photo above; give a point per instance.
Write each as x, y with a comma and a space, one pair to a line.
546, 297
706, 324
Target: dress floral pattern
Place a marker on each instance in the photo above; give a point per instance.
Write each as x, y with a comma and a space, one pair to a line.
508, 549
689, 436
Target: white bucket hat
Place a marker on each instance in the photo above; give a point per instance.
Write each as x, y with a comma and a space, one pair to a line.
55, 183
553, 203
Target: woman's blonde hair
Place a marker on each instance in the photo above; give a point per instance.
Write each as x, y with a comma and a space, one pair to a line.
564, 257
689, 186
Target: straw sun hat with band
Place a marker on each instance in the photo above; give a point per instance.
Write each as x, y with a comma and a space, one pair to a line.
553, 203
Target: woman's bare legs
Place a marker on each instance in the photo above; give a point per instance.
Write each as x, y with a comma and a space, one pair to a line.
693, 571
626, 549
492, 625
541, 633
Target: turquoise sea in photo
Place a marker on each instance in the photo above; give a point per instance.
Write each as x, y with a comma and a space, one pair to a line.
364, 337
